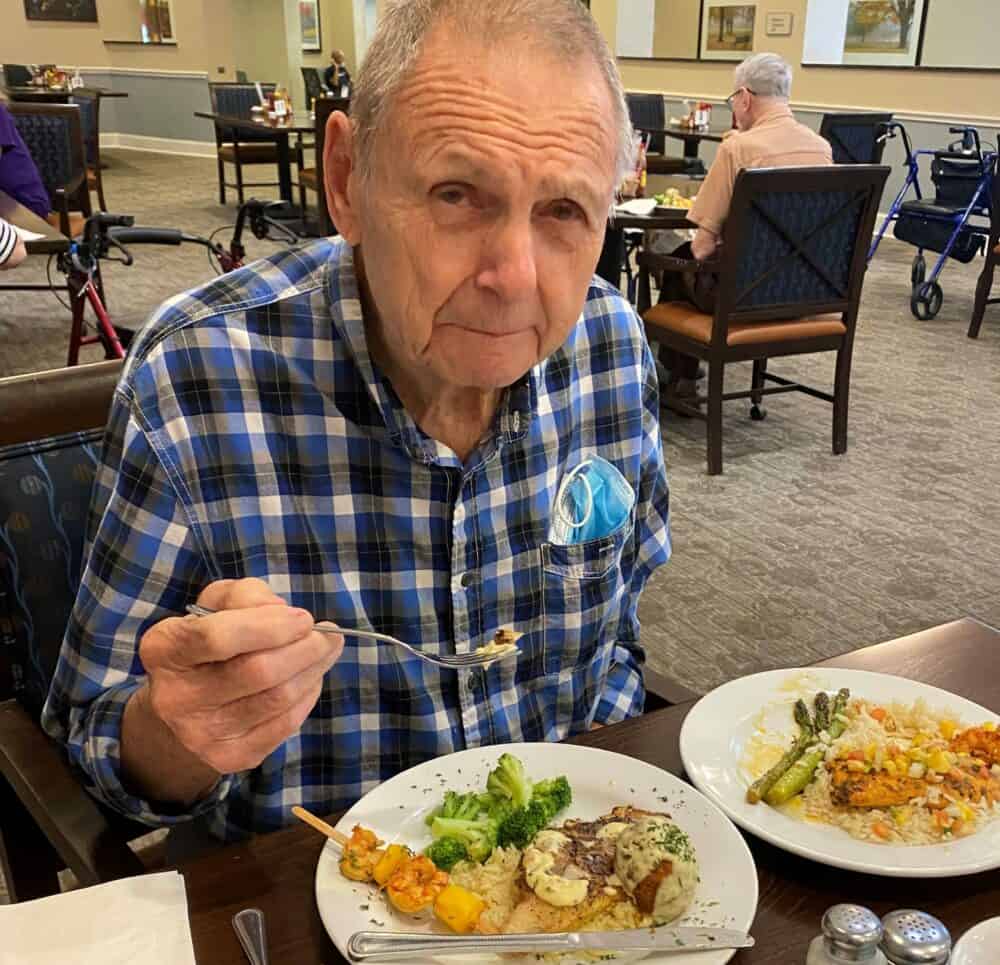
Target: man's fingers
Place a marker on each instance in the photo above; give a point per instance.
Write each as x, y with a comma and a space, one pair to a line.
254, 673
247, 750
235, 594
185, 642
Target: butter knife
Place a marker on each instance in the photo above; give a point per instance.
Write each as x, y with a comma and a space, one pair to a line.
375, 946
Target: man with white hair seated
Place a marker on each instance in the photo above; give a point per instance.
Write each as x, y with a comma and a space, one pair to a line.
435, 425
768, 137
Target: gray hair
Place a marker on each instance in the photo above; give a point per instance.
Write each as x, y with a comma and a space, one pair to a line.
562, 27
767, 75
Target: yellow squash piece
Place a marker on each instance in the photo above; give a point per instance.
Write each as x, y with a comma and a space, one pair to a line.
391, 859
459, 908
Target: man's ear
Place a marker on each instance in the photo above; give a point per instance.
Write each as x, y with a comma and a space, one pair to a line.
337, 170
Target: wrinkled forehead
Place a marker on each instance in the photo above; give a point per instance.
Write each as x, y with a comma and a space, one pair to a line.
460, 86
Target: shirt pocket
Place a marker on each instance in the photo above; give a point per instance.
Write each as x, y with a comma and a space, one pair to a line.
582, 593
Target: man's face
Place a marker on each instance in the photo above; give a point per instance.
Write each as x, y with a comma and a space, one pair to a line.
741, 108
484, 218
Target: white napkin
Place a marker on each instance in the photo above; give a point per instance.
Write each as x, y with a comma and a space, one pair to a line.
133, 921
637, 206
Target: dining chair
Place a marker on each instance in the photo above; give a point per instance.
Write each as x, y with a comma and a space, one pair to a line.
89, 103
240, 147
53, 134
313, 83
790, 274
648, 113
854, 138
16, 75
51, 424
312, 177
985, 285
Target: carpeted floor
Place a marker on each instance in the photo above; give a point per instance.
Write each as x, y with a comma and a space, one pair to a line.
793, 554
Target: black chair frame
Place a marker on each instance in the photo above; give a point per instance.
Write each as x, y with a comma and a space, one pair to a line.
985, 284
855, 138
862, 186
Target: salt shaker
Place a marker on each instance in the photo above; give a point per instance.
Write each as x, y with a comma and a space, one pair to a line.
914, 938
851, 933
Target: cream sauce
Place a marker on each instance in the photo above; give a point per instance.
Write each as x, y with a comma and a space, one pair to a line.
537, 862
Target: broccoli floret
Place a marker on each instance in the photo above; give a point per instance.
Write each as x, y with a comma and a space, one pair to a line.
521, 826
554, 795
508, 780
446, 853
548, 798
455, 805
497, 808
478, 836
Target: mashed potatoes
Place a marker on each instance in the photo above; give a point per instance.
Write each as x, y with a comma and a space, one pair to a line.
657, 867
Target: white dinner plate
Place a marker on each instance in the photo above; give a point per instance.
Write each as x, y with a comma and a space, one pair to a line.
714, 745
979, 945
395, 810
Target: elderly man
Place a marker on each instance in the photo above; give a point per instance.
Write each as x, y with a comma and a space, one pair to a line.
768, 137
393, 430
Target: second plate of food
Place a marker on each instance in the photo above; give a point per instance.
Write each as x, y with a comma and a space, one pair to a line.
899, 779
724, 882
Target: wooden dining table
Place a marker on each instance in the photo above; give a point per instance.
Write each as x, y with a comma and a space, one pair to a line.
275, 872
58, 95
281, 127
52, 240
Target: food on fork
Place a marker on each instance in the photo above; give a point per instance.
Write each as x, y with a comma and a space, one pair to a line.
504, 642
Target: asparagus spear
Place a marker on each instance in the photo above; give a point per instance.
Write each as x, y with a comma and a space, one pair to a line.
822, 704
801, 772
763, 784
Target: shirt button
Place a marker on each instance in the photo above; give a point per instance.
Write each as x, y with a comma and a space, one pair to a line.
469, 578
471, 681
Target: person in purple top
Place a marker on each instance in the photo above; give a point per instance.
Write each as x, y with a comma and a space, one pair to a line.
19, 177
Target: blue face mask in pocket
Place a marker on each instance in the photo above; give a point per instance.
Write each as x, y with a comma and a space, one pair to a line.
594, 499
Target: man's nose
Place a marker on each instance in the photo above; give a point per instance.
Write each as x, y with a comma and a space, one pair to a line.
508, 265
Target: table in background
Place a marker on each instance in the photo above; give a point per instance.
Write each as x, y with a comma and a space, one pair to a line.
691, 136
614, 253
52, 241
275, 872
281, 128
58, 95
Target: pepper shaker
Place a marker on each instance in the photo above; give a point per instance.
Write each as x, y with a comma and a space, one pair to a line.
912, 937
851, 933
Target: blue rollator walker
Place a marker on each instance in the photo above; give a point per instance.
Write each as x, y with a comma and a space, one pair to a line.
963, 180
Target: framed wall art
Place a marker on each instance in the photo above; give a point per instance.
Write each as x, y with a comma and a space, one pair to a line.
727, 30
80, 11
309, 25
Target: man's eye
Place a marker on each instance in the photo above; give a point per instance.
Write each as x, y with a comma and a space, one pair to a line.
566, 211
451, 194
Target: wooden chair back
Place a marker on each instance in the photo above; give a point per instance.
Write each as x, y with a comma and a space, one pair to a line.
237, 100
51, 425
53, 134
795, 244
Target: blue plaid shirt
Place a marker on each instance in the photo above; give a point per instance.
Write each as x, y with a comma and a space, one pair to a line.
252, 435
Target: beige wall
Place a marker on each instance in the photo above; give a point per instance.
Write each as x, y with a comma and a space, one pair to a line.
954, 94
337, 22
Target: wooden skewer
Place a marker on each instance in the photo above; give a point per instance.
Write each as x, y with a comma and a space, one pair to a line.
320, 825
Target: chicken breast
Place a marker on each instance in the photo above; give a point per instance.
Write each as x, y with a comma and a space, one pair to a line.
980, 743
876, 789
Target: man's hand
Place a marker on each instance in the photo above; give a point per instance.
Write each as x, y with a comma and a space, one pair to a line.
225, 690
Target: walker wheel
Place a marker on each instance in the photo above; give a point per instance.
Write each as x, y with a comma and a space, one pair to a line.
758, 413
925, 302
918, 273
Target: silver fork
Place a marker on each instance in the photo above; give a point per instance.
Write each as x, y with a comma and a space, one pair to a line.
458, 661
